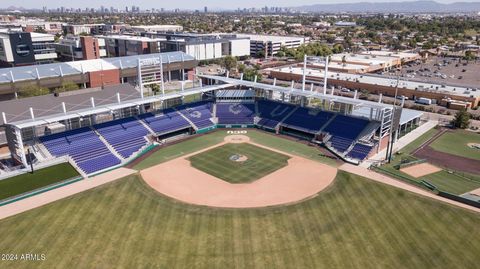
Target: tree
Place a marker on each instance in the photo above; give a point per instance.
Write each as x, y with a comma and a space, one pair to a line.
66, 87
280, 54
250, 74
32, 90
461, 119
228, 62
260, 54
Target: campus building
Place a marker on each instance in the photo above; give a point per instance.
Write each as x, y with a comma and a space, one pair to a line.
23, 48
271, 45
450, 96
91, 73
204, 46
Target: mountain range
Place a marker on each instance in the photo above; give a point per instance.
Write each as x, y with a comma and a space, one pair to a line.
393, 7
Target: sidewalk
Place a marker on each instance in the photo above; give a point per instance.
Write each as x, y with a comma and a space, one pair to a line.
364, 172
401, 143
60, 193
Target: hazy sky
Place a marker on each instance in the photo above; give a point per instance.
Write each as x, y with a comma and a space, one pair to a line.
182, 4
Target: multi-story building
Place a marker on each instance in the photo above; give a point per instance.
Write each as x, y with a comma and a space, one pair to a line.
73, 48
22, 48
89, 29
157, 28
125, 45
204, 46
270, 45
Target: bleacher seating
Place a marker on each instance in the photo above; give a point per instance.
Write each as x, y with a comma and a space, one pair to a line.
344, 131
199, 113
169, 121
341, 144
235, 113
125, 135
359, 151
303, 120
83, 146
271, 113
346, 127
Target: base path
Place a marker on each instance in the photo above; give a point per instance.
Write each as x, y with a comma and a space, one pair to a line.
299, 180
62, 192
364, 172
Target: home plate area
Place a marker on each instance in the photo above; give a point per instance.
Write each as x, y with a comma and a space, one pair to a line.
238, 173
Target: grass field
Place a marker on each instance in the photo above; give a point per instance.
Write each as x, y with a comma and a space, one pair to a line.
260, 162
28, 182
356, 223
456, 143
200, 142
453, 183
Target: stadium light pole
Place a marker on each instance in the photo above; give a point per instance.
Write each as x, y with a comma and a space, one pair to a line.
392, 128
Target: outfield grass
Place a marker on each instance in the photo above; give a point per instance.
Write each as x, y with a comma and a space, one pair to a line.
195, 144
451, 182
456, 143
260, 162
356, 223
28, 182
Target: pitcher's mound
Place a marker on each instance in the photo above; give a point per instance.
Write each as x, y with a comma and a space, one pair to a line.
236, 139
420, 170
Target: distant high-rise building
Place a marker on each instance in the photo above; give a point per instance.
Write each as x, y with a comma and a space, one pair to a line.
205, 9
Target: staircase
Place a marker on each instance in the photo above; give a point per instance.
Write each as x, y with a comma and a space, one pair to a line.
368, 131
110, 147
187, 119
145, 125
286, 117
326, 124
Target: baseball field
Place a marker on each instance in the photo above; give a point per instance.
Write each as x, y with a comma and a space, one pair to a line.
459, 167
353, 223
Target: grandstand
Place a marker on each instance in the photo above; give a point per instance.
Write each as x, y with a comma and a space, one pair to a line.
110, 135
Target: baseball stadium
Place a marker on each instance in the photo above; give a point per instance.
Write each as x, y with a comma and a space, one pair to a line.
231, 173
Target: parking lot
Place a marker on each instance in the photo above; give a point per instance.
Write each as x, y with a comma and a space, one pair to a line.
443, 70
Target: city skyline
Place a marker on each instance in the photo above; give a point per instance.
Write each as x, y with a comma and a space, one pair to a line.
211, 4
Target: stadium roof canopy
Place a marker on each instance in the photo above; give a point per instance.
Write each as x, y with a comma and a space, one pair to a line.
14, 74
84, 107
299, 92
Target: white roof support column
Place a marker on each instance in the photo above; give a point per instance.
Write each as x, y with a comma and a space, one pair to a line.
92, 101
139, 77
304, 76
4, 118
228, 74
274, 81
183, 85
380, 98
118, 98
333, 90
255, 79
241, 76
12, 77
64, 108
292, 84
162, 85
311, 87
32, 115
355, 94
325, 76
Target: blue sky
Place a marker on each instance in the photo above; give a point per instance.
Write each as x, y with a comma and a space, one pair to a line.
183, 4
